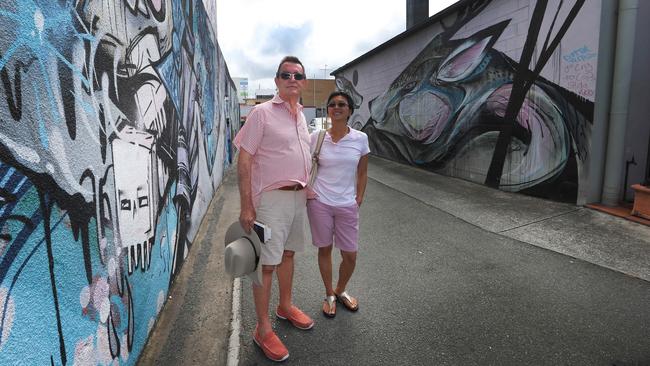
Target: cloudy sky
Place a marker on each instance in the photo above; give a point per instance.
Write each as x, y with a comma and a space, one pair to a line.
254, 35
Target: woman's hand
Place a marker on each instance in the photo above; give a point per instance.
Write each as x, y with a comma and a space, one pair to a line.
362, 178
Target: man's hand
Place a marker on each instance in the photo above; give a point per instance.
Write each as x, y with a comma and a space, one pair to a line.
247, 218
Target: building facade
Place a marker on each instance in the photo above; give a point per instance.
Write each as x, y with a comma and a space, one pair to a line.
314, 97
505, 93
242, 88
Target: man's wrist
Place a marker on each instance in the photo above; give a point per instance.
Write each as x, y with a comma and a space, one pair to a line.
247, 205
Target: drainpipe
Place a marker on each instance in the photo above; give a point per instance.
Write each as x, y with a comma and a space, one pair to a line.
625, 35
606, 52
417, 11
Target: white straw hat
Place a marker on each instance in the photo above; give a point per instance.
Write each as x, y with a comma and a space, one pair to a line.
242, 255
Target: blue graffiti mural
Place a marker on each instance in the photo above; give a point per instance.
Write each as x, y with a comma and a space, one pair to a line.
105, 108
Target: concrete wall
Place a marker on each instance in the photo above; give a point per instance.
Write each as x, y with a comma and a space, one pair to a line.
438, 98
114, 136
210, 7
638, 126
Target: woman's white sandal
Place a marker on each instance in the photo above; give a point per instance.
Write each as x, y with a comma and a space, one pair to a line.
347, 301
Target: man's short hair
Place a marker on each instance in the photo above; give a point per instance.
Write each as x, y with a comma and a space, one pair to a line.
293, 60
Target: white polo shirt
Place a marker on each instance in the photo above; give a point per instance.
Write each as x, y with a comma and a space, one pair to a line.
335, 183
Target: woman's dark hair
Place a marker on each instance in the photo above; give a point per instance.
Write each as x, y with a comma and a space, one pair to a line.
342, 94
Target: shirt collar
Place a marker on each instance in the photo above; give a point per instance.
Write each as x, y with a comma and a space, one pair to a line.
277, 100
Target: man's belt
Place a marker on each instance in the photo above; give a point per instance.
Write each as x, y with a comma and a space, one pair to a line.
295, 187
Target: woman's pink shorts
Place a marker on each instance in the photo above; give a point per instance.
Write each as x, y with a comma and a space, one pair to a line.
338, 223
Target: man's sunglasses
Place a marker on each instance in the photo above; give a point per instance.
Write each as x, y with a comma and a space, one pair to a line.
287, 75
339, 104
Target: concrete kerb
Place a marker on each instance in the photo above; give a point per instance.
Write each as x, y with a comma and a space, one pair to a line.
234, 341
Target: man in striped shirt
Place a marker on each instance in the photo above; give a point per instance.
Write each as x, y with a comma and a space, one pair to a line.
273, 169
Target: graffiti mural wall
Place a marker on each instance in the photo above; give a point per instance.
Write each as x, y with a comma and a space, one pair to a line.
500, 92
114, 135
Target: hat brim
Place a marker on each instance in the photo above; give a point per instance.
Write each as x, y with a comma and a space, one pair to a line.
234, 232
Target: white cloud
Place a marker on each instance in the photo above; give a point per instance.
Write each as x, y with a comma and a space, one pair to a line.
255, 34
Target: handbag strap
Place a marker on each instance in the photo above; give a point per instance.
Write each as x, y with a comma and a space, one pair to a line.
321, 137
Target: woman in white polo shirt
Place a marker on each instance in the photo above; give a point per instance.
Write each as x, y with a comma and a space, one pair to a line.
338, 190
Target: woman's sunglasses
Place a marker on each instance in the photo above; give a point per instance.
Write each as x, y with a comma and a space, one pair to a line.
339, 104
287, 75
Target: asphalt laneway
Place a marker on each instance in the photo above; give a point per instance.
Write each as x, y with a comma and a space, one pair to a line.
437, 290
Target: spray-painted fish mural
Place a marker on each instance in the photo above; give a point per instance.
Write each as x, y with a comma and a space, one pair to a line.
446, 109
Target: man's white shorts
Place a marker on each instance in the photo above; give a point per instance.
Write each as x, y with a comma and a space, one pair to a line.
286, 213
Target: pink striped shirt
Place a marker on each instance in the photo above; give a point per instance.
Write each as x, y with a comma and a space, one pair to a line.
279, 143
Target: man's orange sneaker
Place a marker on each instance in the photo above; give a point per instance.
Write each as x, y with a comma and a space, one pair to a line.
299, 319
272, 346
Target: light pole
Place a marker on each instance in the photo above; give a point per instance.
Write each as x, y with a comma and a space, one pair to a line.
325, 72
324, 107
314, 99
